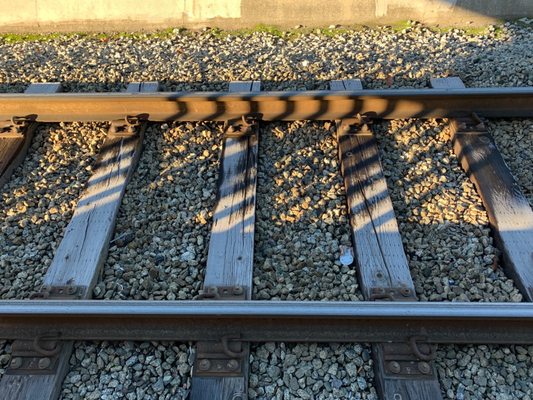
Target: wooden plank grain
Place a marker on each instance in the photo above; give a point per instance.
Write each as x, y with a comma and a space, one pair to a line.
82, 251
87, 236
20, 386
9, 149
231, 245
380, 258
509, 212
377, 242
230, 256
13, 149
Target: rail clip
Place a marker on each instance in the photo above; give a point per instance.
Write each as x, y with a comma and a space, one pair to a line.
245, 126
126, 127
14, 128
408, 360
35, 357
226, 357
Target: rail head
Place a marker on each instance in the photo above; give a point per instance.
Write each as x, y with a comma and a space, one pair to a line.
271, 106
259, 321
265, 309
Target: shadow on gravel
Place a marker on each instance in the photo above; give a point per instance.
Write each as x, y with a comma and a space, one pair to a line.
400, 60
442, 220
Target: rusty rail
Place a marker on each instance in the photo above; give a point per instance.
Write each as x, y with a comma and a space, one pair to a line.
270, 106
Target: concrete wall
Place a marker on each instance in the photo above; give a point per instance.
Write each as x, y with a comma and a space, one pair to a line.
113, 15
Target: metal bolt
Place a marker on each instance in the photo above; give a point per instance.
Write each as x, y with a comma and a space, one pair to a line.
16, 363
232, 365
44, 363
238, 290
395, 367
204, 365
424, 367
405, 292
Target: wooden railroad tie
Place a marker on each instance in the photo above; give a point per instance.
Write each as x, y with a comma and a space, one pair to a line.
221, 369
509, 213
401, 370
16, 134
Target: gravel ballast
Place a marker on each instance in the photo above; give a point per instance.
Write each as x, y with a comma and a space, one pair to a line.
301, 217
160, 245
159, 249
38, 202
147, 370
441, 218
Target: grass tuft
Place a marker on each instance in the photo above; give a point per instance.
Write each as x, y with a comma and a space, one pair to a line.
287, 34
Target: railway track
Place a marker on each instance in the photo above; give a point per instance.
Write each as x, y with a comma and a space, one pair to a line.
224, 319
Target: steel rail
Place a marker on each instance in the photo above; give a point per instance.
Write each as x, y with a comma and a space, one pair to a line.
259, 321
270, 106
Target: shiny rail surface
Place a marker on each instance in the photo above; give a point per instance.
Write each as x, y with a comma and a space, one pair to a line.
259, 321
270, 106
